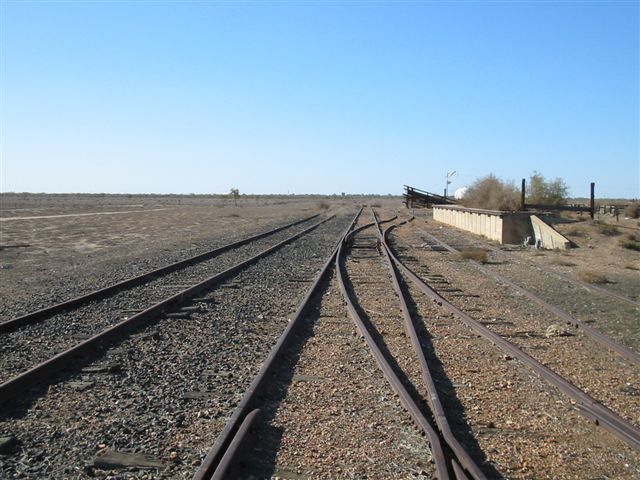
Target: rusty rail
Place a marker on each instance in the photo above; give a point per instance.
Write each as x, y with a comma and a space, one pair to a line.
596, 335
405, 398
562, 276
433, 398
223, 455
39, 315
586, 404
45, 371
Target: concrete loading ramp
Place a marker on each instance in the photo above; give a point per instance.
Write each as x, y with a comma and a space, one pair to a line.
501, 226
547, 237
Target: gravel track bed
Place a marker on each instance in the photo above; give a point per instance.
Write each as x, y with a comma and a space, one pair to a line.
588, 365
32, 344
615, 318
331, 413
334, 415
168, 390
524, 426
90, 277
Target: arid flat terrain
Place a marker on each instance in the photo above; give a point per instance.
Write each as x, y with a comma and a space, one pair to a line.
154, 402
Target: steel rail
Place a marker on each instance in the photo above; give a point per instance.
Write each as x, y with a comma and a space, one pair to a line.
562, 276
39, 315
586, 404
45, 371
223, 456
433, 398
596, 335
396, 384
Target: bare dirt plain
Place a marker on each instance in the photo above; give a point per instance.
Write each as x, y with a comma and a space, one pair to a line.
55, 247
47, 241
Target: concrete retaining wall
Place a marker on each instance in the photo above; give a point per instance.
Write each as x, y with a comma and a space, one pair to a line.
503, 227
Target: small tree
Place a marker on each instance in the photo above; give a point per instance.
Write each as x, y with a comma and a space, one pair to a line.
235, 193
543, 192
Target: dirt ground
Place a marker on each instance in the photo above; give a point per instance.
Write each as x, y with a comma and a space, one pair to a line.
50, 241
47, 240
598, 249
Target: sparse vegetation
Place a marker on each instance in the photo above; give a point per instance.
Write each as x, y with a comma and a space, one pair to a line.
575, 232
632, 210
235, 193
631, 241
492, 193
546, 192
562, 262
477, 254
606, 229
591, 276
323, 206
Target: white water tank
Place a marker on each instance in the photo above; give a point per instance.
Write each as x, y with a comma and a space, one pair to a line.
460, 193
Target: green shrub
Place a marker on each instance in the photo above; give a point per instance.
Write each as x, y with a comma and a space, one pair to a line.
546, 192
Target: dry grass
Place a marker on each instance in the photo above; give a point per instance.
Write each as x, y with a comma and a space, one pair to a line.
477, 254
631, 266
492, 193
323, 206
562, 262
606, 229
591, 276
631, 241
632, 210
575, 232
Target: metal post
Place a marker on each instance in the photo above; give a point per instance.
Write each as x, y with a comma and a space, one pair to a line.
593, 202
523, 207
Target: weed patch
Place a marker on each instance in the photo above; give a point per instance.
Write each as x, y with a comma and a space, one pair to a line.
590, 276
477, 254
631, 241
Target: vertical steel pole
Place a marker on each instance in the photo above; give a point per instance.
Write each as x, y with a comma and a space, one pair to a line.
593, 202
522, 205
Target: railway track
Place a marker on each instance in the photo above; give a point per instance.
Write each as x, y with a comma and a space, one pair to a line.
599, 372
566, 285
148, 393
105, 292
452, 443
397, 370
33, 354
586, 356
626, 353
262, 392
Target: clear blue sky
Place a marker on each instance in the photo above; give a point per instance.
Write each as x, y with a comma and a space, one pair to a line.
317, 97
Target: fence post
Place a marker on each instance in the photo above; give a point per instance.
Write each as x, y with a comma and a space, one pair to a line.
523, 207
593, 203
